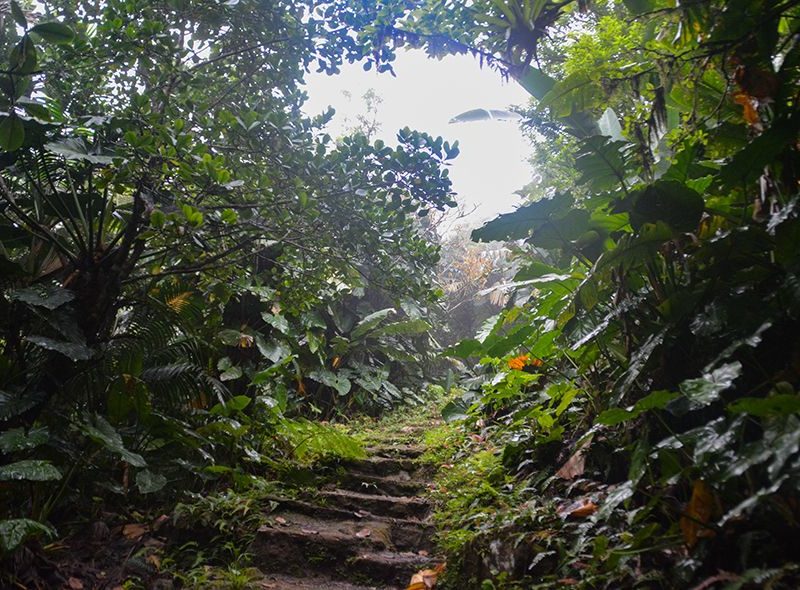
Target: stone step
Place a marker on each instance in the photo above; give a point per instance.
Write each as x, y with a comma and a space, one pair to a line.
382, 466
299, 545
388, 485
405, 534
389, 567
283, 582
409, 507
396, 450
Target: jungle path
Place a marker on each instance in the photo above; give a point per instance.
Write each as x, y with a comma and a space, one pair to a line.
367, 529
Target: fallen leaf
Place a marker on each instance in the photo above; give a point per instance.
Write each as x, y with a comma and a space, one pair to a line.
425, 579
698, 514
159, 522
574, 466
579, 509
363, 533
568, 581
750, 114
281, 520
134, 531
155, 561
75, 584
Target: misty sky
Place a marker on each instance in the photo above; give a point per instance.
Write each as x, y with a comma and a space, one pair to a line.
425, 95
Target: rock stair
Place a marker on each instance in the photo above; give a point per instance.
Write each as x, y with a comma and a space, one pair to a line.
367, 530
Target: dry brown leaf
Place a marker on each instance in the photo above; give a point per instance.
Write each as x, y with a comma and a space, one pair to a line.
134, 531
698, 514
574, 466
578, 509
749, 113
363, 533
159, 522
75, 584
587, 509
425, 579
155, 561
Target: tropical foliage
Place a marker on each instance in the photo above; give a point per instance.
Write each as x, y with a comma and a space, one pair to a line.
188, 260
642, 381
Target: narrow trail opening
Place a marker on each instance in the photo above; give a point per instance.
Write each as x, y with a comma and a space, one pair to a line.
368, 528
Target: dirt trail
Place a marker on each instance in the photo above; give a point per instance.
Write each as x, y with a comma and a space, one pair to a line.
367, 529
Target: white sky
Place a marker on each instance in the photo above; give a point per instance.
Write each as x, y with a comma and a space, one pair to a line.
425, 95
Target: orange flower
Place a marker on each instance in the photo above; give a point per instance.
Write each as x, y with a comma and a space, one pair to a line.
518, 362
523, 360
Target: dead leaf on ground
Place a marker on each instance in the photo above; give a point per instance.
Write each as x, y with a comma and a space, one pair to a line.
134, 531
698, 514
574, 466
281, 520
159, 522
578, 509
75, 584
425, 579
363, 533
155, 561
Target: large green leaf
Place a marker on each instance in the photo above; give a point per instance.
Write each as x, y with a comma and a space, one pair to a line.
775, 405
699, 393
574, 94
455, 410
370, 322
75, 148
30, 470
602, 163
656, 400
536, 82
49, 296
12, 133
406, 327
54, 33
747, 164
15, 531
520, 223
17, 439
486, 115
635, 250
149, 482
340, 384
562, 231
465, 348
100, 431
72, 350
668, 201
15, 404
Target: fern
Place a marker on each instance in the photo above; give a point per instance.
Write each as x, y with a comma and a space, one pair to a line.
311, 441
